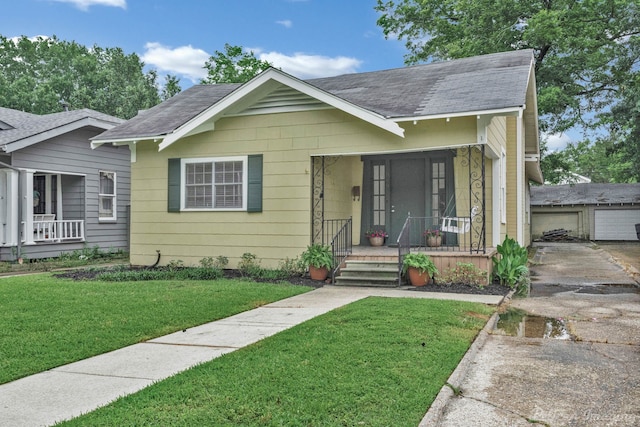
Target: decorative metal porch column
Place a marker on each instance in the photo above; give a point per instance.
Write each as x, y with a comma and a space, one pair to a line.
475, 159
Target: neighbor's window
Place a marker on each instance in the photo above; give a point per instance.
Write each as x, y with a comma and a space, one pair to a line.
216, 184
107, 196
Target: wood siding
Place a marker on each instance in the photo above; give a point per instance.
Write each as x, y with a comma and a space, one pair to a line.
287, 141
72, 154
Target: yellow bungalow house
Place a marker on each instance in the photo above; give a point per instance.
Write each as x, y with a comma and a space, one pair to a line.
269, 166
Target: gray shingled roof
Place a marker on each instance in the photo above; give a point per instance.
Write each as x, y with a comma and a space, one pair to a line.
585, 194
26, 125
474, 84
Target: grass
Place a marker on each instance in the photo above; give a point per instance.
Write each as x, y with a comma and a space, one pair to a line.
376, 362
48, 322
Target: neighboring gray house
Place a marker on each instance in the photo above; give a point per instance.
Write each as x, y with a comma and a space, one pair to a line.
56, 193
588, 211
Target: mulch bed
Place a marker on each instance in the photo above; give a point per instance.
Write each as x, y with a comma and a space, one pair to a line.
455, 288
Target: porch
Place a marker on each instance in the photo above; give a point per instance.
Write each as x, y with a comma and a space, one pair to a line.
382, 265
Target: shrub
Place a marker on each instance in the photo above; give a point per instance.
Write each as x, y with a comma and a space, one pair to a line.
292, 267
249, 265
465, 273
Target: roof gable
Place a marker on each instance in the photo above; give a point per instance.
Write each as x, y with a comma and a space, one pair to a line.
260, 87
25, 129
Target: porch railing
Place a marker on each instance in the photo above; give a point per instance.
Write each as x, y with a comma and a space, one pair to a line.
54, 231
341, 242
412, 238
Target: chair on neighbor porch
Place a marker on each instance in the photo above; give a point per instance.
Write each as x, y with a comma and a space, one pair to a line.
458, 224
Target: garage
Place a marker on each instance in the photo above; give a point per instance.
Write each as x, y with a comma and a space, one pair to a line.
616, 224
593, 211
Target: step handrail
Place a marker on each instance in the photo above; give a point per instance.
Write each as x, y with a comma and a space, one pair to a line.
341, 246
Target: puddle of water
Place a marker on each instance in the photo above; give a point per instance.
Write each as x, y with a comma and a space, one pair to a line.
608, 289
519, 323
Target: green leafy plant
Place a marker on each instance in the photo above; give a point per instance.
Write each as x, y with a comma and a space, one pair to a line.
221, 262
420, 261
317, 256
511, 264
249, 265
292, 267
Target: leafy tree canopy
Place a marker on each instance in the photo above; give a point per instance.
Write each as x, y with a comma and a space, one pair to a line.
234, 65
39, 76
587, 53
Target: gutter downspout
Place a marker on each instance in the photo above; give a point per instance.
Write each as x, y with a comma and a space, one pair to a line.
20, 171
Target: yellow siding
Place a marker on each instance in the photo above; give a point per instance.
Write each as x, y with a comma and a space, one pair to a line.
287, 142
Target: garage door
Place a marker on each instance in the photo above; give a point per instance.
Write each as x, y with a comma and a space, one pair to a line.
616, 224
546, 221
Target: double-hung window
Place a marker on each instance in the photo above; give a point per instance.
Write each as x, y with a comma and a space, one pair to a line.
107, 196
215, 183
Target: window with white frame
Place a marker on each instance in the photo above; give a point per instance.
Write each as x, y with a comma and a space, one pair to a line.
215, 183
107, 196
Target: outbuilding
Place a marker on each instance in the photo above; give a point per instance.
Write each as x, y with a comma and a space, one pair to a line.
587, 211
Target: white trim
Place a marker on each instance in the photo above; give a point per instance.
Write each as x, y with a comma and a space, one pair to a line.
214, 160
114, 197
511, 111
264, 82
57, 131
520, 179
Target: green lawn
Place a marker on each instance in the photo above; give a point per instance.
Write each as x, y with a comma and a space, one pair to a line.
376, 362
47, 322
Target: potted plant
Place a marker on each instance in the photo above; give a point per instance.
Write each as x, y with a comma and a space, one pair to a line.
376, 237
319, 259
433, 237
419, 267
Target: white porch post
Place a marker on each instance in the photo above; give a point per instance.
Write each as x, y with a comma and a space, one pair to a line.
11, 221
27, 206
520, 178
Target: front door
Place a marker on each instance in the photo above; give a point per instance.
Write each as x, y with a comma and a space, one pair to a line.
407, 193
419, 184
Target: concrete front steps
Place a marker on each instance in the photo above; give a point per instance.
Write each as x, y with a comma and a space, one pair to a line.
372, 273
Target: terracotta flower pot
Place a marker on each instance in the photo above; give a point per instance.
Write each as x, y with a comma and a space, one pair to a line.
417, 278
318, 273
434, 241
376, 241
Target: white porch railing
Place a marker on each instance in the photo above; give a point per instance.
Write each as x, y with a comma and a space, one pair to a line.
54, 231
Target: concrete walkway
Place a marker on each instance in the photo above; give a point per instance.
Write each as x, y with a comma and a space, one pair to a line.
589, 378
71, 390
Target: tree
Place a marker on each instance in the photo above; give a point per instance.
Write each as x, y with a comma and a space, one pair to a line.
41, 75
233, 66
586, 52
171, 87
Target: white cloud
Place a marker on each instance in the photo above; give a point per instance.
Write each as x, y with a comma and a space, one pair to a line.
188, 62
306, 66
285, 23
184, 61
556, 141
86, 4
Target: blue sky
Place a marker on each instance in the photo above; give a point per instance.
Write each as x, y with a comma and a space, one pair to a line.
306, 38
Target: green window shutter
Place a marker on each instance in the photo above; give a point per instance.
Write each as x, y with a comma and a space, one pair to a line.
254, 183
173, 200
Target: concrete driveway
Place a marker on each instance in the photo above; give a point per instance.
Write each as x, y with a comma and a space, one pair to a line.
567, 356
